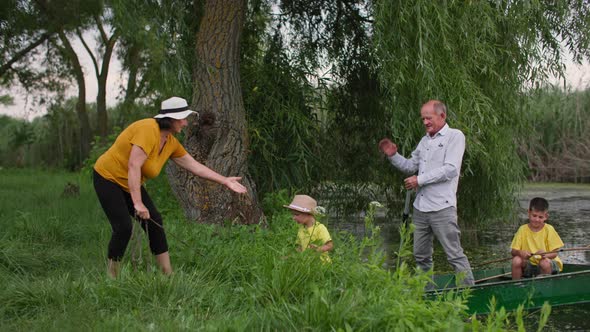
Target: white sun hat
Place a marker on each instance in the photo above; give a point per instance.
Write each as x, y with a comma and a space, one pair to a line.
175, 108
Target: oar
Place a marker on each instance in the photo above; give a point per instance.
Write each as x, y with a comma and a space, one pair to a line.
493, 261
493, 277
543, 254
565, 249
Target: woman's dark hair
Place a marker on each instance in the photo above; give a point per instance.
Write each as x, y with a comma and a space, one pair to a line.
164, 123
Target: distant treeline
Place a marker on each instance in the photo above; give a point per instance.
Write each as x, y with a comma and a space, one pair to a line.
556, 147
52, 140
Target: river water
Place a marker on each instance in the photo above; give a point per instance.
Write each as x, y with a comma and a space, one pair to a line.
569, 213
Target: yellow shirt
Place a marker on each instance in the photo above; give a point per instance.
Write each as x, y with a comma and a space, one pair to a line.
546, 239
317, 234
113, 164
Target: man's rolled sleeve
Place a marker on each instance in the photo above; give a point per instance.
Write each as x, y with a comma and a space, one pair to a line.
407, 166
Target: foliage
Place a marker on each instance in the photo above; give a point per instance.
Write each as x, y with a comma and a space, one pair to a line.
59, 137
121, 115
51, 140
26, 22
334, 37
328, 35
273, 203
282, 127
324, 80
16, 136
226, 278
478, 58
355, 119
6, 100
308, 127
157, 46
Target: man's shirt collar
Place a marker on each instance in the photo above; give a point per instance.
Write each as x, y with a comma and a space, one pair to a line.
442, 132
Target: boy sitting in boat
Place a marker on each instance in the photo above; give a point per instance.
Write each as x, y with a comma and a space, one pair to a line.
312, 234
535, 245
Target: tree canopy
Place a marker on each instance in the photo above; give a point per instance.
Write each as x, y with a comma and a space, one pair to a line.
321, 81
480, 59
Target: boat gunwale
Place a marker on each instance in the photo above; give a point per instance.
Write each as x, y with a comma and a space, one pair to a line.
505, 282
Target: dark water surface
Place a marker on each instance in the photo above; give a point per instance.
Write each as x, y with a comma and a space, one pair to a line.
569, 209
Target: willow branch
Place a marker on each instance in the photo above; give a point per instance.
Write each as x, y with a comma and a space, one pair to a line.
94, 62
19, 55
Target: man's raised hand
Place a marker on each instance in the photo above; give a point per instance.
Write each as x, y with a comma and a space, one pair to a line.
387, 147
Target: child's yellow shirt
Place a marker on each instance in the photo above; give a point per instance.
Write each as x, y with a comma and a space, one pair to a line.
546, 239
317, 234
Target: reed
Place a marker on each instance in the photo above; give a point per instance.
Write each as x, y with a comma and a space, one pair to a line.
555, 145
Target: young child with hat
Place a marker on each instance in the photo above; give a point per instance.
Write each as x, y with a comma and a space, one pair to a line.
312, 234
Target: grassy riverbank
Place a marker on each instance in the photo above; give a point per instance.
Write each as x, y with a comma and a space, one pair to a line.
556, 185
52, 271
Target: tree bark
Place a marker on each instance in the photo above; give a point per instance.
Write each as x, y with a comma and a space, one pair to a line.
85, 131
131, 91
218, 137
135, 82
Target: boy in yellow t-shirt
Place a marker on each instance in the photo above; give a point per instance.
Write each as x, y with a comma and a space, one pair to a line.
535, 244
312, 234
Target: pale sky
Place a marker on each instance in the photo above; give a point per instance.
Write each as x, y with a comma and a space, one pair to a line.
24, 107
577, 76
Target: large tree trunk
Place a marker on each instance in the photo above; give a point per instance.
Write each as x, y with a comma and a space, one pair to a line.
218, 138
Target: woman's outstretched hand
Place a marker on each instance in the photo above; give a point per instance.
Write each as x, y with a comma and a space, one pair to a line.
233, 183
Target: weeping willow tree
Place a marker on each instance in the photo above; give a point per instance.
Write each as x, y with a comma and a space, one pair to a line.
278, 99
480, 58
297, 92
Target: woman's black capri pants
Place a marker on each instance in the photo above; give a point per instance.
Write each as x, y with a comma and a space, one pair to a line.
118, 207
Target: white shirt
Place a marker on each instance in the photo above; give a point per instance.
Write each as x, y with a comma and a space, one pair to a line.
438, 162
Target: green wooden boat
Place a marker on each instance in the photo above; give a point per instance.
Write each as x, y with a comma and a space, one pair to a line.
572, 286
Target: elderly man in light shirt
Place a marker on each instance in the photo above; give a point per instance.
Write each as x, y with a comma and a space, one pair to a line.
437, 161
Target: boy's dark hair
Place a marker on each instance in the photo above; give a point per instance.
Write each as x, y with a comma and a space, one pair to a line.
539, 204
164, 123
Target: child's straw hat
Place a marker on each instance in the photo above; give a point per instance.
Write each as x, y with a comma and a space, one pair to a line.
303, 203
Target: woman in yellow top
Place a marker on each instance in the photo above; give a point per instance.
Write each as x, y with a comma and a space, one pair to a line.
139, 153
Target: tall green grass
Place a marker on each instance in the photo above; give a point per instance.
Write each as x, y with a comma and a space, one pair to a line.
232, 278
